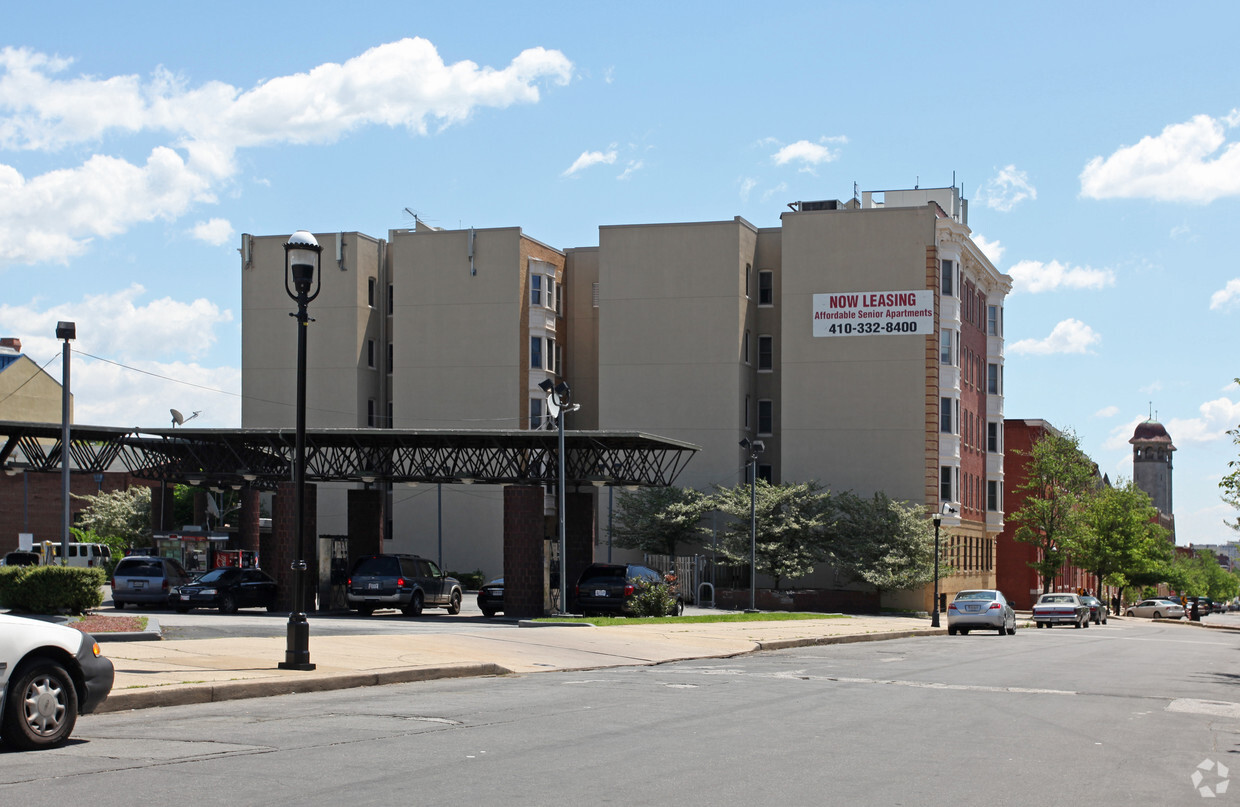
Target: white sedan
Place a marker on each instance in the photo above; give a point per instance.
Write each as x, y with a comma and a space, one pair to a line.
1156, 609
1060, 609
49, 674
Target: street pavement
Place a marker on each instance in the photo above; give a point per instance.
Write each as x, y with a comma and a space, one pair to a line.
183, 671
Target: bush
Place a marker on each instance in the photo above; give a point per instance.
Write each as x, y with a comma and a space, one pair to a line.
653, 599
51, 589
470, 581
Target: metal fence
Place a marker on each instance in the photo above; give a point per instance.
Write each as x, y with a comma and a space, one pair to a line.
695, 575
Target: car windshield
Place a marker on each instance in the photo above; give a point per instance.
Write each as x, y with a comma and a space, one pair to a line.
976, 595
603, 572
1057, 598
140, 568
218, 575
377, 566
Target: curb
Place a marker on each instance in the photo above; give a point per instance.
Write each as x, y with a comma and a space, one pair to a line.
184, 694
784, 644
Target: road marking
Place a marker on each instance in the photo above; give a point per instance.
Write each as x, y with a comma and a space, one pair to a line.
1200, 707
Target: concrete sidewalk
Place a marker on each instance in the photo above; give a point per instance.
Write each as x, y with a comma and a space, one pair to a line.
167, 673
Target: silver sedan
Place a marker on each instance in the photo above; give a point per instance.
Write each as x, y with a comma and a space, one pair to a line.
1156, 609
980, 608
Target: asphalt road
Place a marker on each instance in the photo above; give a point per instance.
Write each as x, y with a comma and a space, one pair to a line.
1121, 714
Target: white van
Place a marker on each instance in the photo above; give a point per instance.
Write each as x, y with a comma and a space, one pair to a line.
80, 554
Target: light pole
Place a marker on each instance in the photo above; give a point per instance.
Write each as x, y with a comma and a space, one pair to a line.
938, 519
559, 401
68, 332
754, 447
301, 271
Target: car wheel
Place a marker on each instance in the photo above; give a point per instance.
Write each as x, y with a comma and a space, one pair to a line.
181, 610
228, 604
365, 610
1131, 613
120, 606
678, 608
1041, 625
488, 612
414, 608
1003, 630
1086, 621
1157, 615
41, 707
1012, 630
454, 605
951, 631
964, 631
272, 607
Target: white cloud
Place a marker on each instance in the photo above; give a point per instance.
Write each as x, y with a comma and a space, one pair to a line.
747, 185
216, 232
768, 194
991, 249
1226, 298
115, 326
1007, 189
1151, 388
1107, 412
54, 216
589, 158
1069, 336
1118, 439
1216, 418
1187, 162
108, 395
808, 154
1035, 277
633, 167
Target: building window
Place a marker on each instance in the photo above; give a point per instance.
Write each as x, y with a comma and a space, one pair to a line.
390, 303
370, 412
948, 274
559, 297
946, 421
745, 348
551, 365
389, 361
767, 474
946, 354
370, 353
536, 360
992, 495
746, 411
994, 326
765, 418
766, 347
535, 289
370, 292
992, 438
945, 483
748, 272
536, 413
766, 287
992, 379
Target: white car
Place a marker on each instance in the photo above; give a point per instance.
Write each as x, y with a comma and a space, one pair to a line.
1060, 609
1156, 609
49, 674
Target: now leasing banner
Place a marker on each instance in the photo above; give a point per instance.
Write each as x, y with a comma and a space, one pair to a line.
874, 313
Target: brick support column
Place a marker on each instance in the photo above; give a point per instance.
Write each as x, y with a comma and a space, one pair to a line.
524, 565
366, 522
247, 538
284, 540
578, 537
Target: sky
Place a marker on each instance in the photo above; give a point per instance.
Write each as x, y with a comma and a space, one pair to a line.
1098, 145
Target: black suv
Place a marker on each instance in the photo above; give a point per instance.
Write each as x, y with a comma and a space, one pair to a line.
407, 582
606, 588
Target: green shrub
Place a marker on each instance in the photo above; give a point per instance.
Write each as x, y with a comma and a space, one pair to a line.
653, 599
470, 581
51, 589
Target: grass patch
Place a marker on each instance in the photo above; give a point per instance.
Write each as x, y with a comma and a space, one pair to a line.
734, 616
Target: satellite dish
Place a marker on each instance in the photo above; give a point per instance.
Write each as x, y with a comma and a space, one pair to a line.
179, 420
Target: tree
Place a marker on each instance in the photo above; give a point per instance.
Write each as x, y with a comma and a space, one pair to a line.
1200, 575
886, 543
1060, 476
791, 518
121, 518
1230, 484
1120, 540
658, 520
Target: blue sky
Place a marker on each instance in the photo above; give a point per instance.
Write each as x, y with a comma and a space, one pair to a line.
1098, 144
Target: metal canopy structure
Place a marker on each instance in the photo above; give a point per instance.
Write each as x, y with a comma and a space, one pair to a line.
264, 457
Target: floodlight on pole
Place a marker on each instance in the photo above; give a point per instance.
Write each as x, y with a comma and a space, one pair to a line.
66, 331
559, 403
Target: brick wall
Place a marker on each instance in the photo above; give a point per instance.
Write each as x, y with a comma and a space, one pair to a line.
524, 589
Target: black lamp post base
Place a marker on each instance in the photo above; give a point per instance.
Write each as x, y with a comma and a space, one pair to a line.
297, 648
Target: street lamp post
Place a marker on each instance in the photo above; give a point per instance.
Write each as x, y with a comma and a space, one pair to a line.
301, 271
559, 401
938, 519
68, 332
754, 447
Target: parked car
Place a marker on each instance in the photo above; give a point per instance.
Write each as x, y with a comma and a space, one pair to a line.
20, 558
227, 588
1156, 609
1098, 610
606, 588
491, 597
146, 580
49, 674
980, 608
1060, 609
407, 582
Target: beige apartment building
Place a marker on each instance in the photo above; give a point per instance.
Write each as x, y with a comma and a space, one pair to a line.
861, 342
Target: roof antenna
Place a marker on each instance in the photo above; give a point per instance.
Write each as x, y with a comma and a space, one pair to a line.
179, 420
